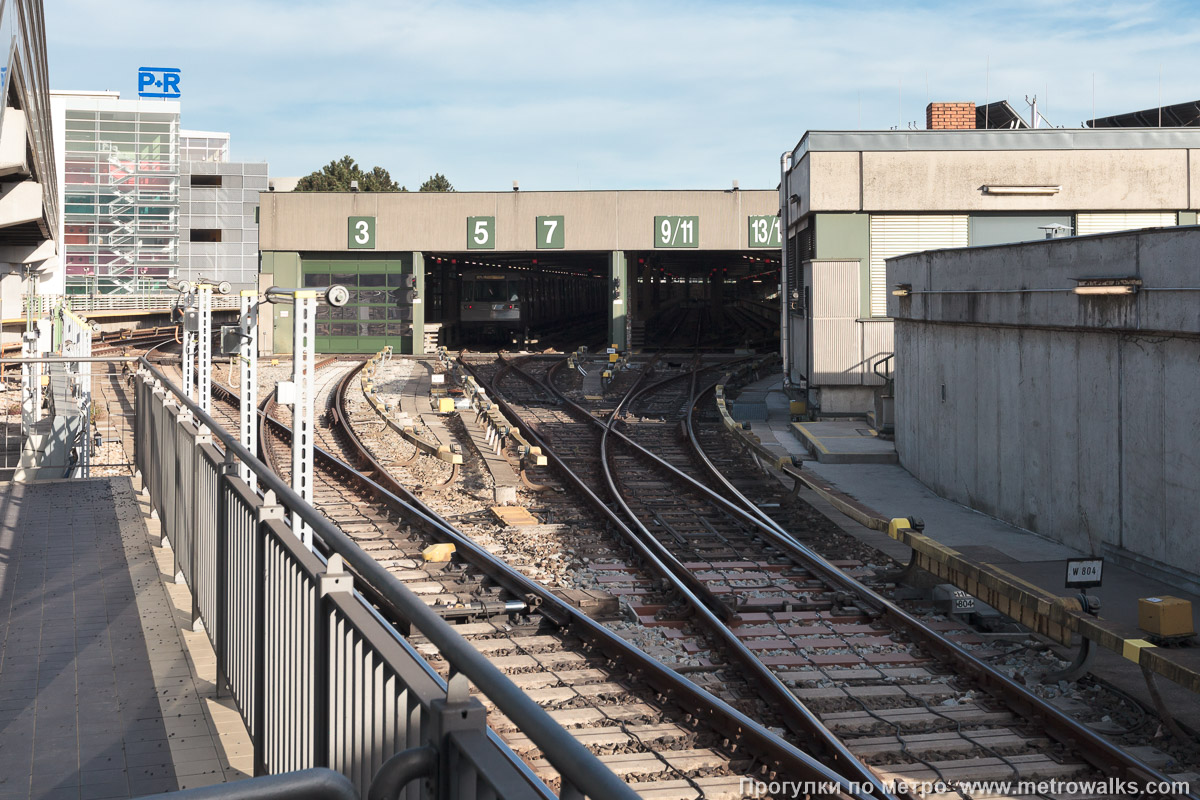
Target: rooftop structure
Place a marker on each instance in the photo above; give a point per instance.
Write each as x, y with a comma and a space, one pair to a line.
856, 198
218, 211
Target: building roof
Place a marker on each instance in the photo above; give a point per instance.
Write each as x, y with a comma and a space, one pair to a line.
1015, 139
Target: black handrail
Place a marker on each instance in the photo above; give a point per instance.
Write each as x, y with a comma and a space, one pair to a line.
319, 783
885, 376
577, 765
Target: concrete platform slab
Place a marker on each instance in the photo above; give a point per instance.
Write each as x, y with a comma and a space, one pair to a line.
99, 686
845, 442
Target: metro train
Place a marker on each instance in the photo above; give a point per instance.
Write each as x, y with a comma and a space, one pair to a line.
513, 304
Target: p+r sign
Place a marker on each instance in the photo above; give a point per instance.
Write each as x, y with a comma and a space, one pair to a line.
159, 82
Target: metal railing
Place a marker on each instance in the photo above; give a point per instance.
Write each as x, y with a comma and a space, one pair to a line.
320, 679
45, 303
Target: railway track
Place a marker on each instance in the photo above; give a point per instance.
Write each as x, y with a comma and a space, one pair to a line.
905, 700
652, 727
897, 701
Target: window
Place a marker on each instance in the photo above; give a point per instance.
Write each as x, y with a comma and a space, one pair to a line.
206, 180
205, 235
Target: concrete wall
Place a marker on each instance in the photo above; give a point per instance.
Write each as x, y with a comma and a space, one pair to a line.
594, 221
1077, 417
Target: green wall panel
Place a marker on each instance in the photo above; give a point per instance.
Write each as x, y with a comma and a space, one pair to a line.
380, 297
847, 236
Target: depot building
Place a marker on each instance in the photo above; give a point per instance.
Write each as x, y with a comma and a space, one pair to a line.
403, 255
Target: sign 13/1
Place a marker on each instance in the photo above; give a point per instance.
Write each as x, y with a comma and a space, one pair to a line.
763, 231
676, 231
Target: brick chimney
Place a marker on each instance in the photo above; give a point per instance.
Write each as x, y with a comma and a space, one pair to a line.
950, 116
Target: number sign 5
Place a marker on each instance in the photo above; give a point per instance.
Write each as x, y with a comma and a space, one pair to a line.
481, 233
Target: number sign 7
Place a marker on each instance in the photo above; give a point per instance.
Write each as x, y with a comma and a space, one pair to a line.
549, 233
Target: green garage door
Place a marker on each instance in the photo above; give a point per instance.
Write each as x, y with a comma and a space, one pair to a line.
380, 311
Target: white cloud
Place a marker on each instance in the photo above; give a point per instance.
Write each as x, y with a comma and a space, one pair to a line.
604, 95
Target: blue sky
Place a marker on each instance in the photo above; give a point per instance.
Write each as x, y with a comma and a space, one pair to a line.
606, 95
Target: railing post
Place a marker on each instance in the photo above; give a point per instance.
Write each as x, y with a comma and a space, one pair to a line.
221, 584
268, 510
203, 437
334, 579
458, 712
180, 508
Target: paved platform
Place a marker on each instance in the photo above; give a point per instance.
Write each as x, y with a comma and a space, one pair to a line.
890, 491
104, 690
845, 442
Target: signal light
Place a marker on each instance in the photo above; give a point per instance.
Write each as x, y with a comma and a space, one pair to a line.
535, 262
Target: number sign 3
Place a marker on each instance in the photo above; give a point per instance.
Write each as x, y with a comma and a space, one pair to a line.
360, 233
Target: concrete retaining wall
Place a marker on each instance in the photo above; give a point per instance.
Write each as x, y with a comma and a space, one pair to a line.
1075, 417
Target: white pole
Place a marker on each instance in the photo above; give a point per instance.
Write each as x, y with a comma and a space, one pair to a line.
303, 341
189, 351
204, 304
248, 375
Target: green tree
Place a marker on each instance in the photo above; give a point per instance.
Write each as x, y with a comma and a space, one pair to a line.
336, 177
437, 183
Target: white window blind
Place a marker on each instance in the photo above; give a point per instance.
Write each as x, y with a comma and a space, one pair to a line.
899, 234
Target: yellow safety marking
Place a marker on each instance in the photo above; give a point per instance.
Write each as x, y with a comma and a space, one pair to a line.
438, 552
812, 438
514, 516
1132, 648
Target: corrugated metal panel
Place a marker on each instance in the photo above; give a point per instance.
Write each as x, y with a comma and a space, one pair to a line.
837, 343
899, 234
1108, 223
834, 289
837, 349
877, 343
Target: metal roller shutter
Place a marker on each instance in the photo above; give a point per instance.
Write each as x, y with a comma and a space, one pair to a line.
899, 234
1109, 223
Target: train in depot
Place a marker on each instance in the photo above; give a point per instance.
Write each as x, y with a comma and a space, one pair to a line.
516, 306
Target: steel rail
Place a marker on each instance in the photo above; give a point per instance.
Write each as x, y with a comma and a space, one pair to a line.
374, 602
661, 560
1095, 749
575, 763
748, 734
743, 732
795, 714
